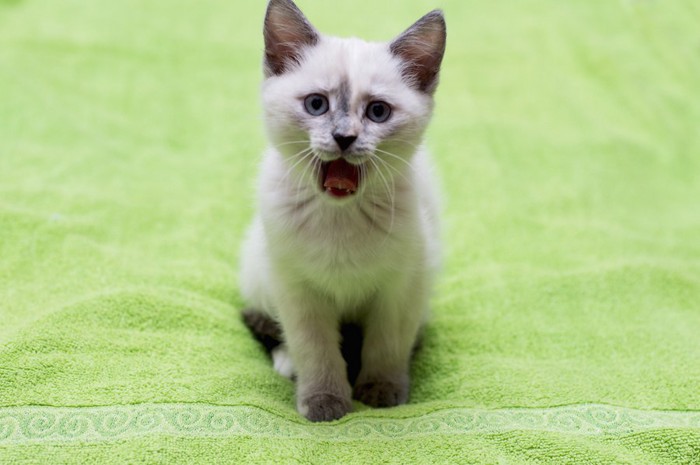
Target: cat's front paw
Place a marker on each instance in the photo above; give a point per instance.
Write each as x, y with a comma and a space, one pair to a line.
324, 407
381, 393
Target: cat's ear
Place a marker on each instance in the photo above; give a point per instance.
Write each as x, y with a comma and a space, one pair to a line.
421, 47
286, 32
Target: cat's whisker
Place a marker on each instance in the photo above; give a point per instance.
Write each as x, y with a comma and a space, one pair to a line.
389, 191
393, 155
407, 142
385, 164
291, 142
307, 160
376, 203
377, 149
394, 169
362, 180
309, 170
301, 155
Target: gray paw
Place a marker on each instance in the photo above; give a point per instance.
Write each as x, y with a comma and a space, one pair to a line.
381, 393
325, 407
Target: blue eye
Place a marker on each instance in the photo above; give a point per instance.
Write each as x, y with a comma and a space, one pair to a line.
378, 111
316, 104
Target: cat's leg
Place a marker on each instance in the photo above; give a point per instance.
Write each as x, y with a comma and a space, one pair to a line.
391, 329
282, 362
255, 282
264, 328
269, 332
313, 339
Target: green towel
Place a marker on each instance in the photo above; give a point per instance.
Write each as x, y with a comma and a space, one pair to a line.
565, 323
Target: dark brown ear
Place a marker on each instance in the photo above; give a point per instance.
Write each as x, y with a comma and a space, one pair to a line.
287, 32
422, 47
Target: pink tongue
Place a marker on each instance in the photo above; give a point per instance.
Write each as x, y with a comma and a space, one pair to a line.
341, 176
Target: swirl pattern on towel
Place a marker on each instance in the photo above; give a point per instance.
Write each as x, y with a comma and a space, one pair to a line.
60, 424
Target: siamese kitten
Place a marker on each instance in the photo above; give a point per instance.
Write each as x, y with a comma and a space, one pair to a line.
347, 222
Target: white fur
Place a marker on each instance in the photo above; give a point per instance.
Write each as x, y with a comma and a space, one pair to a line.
282, 362
311, 261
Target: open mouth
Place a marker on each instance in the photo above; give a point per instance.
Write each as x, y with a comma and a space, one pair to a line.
339, 178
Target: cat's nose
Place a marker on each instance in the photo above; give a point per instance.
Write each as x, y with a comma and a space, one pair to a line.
344, 141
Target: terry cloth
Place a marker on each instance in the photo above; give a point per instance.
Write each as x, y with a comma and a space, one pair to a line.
565, 321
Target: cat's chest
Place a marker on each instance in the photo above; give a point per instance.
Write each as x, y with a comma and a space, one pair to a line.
345, 249
350, 263
356, 243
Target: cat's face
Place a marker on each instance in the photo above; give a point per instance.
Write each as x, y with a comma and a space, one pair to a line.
347, 114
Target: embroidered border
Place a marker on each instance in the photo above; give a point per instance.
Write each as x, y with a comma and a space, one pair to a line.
56, 424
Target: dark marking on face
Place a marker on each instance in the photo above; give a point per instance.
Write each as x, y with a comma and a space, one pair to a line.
341, 121
344, 97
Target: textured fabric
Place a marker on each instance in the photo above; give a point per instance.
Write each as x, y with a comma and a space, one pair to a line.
565, 322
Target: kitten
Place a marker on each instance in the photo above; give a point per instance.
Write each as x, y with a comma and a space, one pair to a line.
347, 224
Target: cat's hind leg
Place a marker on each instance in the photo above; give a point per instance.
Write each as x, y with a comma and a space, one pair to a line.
282, 362
269, 333
264, 328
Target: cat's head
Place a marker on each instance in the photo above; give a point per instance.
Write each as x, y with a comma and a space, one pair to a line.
347, 115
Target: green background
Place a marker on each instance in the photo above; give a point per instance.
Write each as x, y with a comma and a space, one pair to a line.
567, 137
